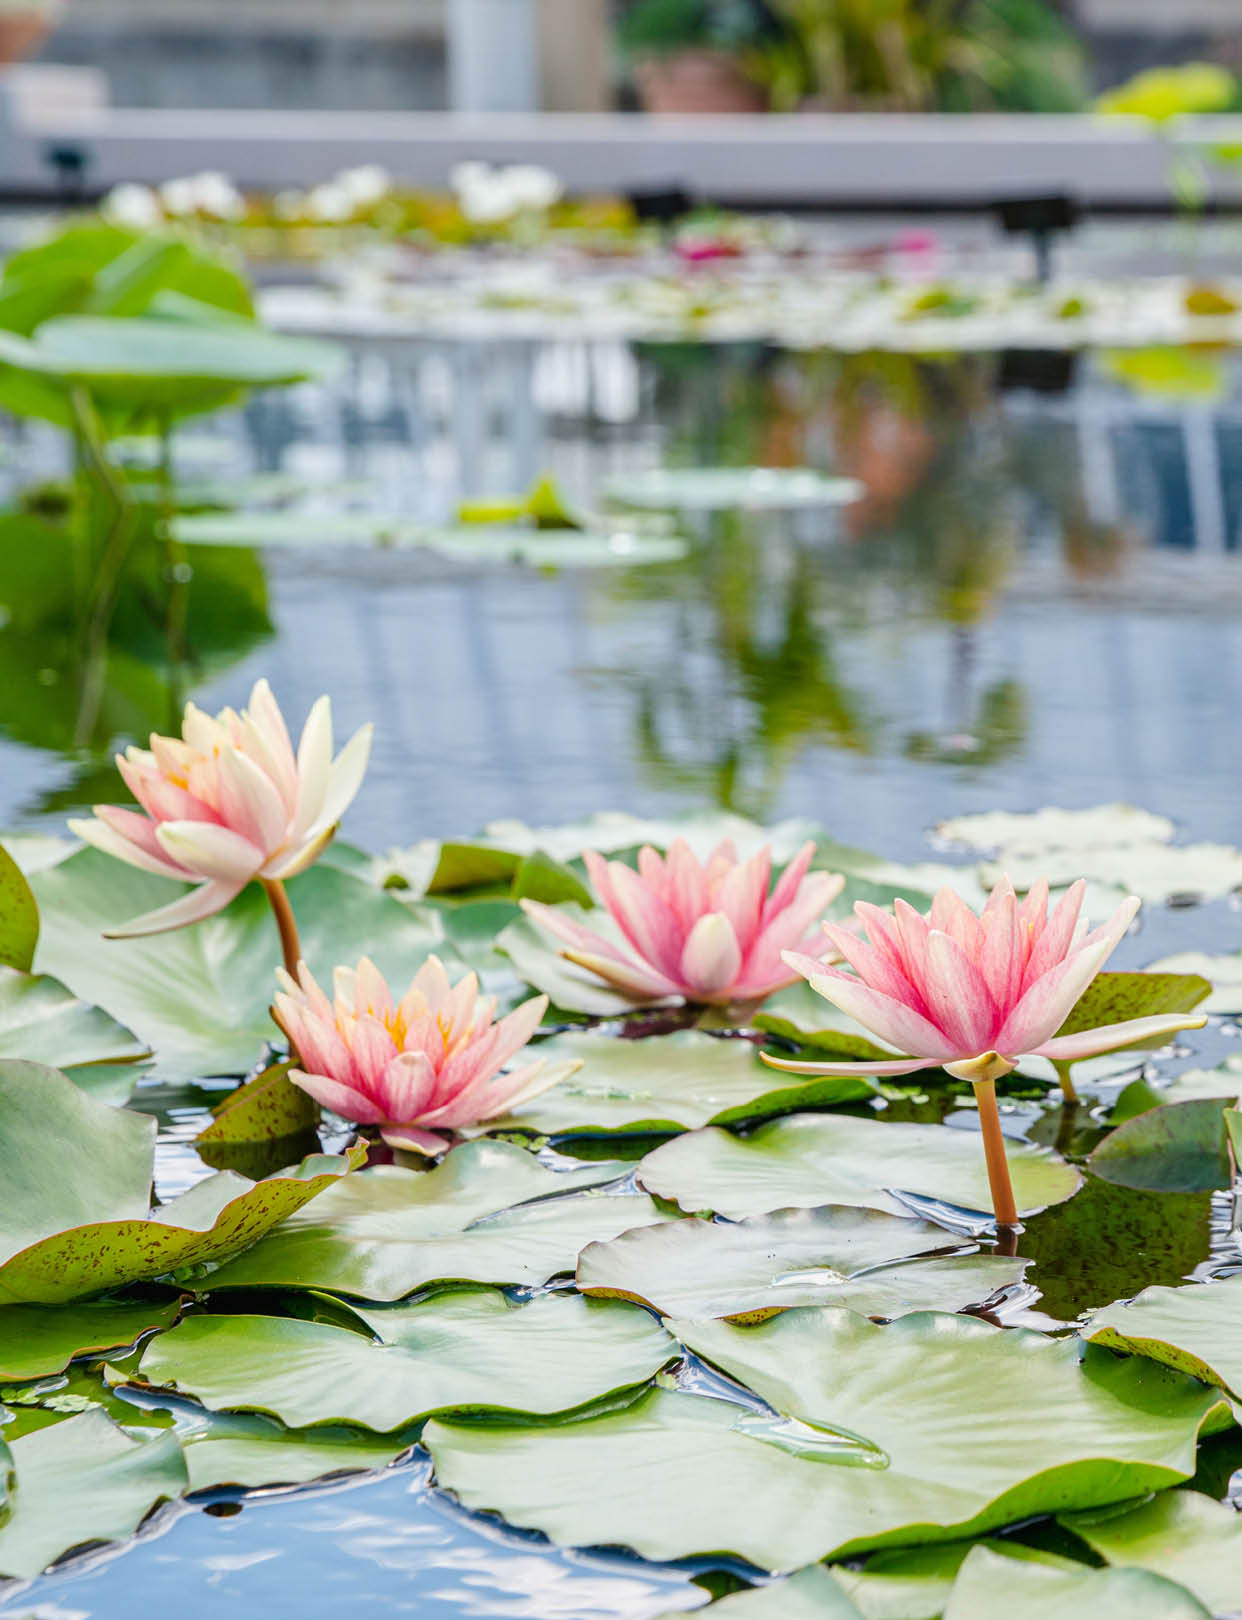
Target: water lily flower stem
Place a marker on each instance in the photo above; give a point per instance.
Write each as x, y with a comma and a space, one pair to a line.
285, 922
1003, 1205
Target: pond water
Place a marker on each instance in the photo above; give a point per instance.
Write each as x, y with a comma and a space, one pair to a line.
1035, 601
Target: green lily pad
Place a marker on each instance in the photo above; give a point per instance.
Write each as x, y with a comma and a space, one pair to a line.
43, 1022
810, 1160
1182, 1536
484, 1215
81, 1481
268, 1108
37, 1341
66, 1160
873, 1263
1035, 1591
217, 1218
19, 916
470, 1351
811, 1594
1112, 998
862, 1454
200, 997
251, 1451
1181, 1147
550, 548
1197, 1329
668, 1083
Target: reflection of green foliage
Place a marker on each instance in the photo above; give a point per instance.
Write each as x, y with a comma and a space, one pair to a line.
1162, 93
997, 731
1168, 373
921, 55
43, 667
660, 27
1110, 1242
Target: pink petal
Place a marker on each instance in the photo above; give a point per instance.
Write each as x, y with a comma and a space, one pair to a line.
344, 780
1053, 944
873, 966
889, 1066
373, 1050
790, 881
249, 802
712, 958
956, 996
265, 727
912, 931
130, 838
407, 1087
209, 851
191, 908
741, 898
1109, 1037
342, 1100
640, 983
570, 931
687, 892
891, 1020
1003, 957
645, 920
952, 916
1049, 1001
514, 1031
414, 1141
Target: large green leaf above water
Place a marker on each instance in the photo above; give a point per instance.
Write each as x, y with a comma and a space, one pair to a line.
1181, 1535
200, 997
470, 1351
1112, 998
217, 1218
1180, 1147
236, 1449
80, 1481
1032, 1591
19, 916
811, 1160
859, 1258
43, 1022
390, 1231
668, 1083
1197, 1329
65, 1159
933, 1427
38, 1340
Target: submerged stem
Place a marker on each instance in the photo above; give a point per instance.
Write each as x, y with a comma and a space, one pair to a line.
1003, 1205
286, 923
1067, 1083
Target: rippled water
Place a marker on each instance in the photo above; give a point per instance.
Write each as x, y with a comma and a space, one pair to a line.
1035, 602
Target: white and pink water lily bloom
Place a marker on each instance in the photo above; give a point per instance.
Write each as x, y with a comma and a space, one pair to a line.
427, 1064
228, 802
974, 994
712, 931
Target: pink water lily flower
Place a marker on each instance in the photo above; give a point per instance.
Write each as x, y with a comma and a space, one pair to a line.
427, 1064
704, 931
228, 802
973, 995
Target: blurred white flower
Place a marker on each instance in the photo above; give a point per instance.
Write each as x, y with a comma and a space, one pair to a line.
330, 203
134, 206
366, 185
210, 194
488, 196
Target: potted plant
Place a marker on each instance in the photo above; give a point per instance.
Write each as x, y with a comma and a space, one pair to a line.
692, 56
24, 24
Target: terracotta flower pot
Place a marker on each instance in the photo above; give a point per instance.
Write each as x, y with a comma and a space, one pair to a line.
699, 81
22, 32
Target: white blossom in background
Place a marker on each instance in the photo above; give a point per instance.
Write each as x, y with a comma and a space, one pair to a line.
488, 196
330, 203
132, 205
211, 195
366, 185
